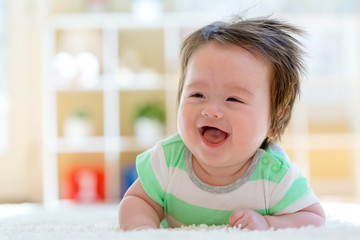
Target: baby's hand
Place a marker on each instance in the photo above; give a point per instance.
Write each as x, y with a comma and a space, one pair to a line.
249, 219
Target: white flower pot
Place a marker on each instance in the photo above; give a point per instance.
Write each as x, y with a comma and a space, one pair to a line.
148, 131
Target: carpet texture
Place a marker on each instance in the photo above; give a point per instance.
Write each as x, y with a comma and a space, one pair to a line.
27, 221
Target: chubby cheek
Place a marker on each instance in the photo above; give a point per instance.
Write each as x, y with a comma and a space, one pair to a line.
181, 124
185, 122
251, 130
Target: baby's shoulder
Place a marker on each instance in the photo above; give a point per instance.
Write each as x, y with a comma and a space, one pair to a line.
174, 151
277, 154
273, 164
168, 153
173, 141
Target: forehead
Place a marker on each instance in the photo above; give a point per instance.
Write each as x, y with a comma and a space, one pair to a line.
230, 62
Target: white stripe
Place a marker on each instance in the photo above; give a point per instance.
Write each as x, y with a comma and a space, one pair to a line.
253, 194
301, 203
159, 166
249, 195
284, 185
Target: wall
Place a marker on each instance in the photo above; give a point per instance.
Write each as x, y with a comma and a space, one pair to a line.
20, 166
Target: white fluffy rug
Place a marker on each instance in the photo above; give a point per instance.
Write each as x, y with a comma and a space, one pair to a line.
27, 221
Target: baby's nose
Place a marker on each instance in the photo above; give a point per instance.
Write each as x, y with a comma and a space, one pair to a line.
213, 111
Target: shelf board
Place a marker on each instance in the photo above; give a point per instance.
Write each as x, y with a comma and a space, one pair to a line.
117, 83
183, 19
121, 21
119, 144
100, 144
319, 141
80, 145
139, 82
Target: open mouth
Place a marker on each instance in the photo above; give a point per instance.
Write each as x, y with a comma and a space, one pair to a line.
213, 135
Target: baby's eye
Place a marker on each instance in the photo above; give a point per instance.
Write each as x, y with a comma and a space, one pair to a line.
232, 99
198, 95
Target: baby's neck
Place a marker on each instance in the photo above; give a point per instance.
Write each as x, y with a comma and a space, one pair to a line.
219, 176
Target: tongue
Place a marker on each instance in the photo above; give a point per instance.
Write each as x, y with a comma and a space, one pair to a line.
214, 135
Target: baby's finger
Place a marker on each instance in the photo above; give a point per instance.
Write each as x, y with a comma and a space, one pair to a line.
235, 217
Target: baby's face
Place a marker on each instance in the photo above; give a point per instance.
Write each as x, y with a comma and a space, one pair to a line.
224, 109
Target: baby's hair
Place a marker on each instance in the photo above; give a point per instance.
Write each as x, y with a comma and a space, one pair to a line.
273, 40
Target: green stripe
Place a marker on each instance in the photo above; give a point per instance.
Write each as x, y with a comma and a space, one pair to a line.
269, 168
174, 151
148, 179
263, 211
298, 189
174, 138
188, 214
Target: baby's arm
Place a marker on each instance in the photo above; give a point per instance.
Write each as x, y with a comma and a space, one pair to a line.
138, 211
312, 215
249, 219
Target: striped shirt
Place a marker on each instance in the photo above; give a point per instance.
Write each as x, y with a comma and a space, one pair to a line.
271, 186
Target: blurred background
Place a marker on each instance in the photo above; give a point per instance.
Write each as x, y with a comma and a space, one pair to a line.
86, 85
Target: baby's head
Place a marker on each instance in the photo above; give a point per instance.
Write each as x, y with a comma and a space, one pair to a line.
268, 38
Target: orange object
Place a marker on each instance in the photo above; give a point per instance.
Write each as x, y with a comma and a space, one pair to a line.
86, 185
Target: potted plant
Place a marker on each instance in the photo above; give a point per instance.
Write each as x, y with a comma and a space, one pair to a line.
78, 126
149, 123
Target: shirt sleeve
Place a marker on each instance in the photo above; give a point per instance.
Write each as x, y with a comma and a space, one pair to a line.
152, 171
292, 193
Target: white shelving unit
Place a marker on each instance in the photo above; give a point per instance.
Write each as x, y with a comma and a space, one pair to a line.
300, 140
330, 100
112, 143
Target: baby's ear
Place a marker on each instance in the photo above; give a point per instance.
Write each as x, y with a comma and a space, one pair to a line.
277, 127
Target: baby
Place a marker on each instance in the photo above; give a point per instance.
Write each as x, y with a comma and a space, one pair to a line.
239, 81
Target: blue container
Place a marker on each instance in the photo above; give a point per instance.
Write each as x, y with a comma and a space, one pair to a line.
128, 176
